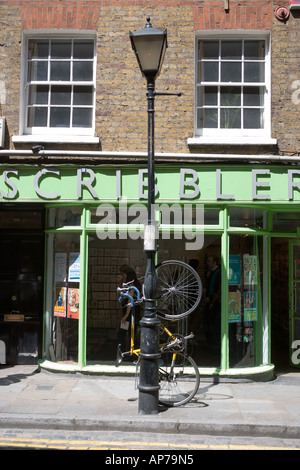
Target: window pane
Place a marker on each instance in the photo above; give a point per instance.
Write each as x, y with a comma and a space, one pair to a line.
83, 71
231, 50
37, 117
230, 118
254, 50
253, 96
82, 117
61, 95
211, 216
210, 118
210, 96
230, 96
231, 71
210, 71
38, 71
38, 94
210, 49
286, 222
246, 217
254, 72
83, 49
38, 49
63, 297
60, 71
60, 49
200, 122
63, 216
59, 117
83, 95
105, 258
245, 300
253, 119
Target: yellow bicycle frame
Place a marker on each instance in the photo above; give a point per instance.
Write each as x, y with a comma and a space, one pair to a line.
137, 351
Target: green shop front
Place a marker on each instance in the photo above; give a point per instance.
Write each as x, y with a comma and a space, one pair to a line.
67, 229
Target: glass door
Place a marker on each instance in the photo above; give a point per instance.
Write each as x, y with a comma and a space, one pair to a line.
294, 305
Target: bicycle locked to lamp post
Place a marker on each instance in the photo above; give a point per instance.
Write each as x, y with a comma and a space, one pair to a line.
149, 45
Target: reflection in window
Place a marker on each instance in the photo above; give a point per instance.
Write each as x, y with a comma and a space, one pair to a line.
286, 221
245, 300
63, 298
64, 216
247, 217
104, 276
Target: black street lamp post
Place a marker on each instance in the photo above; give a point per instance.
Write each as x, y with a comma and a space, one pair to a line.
149, 45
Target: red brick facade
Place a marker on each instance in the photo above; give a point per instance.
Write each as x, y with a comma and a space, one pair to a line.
207, 14
120, 103
255, 15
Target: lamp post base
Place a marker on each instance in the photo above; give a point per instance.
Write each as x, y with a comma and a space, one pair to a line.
149, 353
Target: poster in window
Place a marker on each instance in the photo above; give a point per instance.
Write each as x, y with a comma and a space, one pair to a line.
250, 306
250, 270
73, 303
60, 267
60, 303
234, 307
234, 270
74, 267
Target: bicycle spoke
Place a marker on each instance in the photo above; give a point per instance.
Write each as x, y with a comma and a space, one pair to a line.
178, 379
179, 289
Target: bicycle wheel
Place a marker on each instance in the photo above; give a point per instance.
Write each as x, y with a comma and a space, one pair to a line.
179, 379
179, 289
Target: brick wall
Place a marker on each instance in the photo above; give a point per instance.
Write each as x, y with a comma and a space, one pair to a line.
249, 14
59, 14
121, 118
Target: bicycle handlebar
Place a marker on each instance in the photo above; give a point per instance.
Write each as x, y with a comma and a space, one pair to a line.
124, 292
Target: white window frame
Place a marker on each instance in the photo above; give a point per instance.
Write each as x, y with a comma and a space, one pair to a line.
54, 134
236, 136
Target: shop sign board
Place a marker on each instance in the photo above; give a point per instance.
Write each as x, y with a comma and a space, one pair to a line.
190, 183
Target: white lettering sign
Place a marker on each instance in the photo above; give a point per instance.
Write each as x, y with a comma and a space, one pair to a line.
87, 183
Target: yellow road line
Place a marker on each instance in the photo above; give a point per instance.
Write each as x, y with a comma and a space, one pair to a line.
122, 445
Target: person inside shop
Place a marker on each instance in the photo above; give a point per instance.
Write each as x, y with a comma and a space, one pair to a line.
128, 275
212, 319
122, 270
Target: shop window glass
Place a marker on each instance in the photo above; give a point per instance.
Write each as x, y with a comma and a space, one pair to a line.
248, 218
286, 221
211, 216
63, 297
245, 300
137, 213
105, 257
176, 214
205, 321
104, 312
64, 217
110, 215
21, 219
